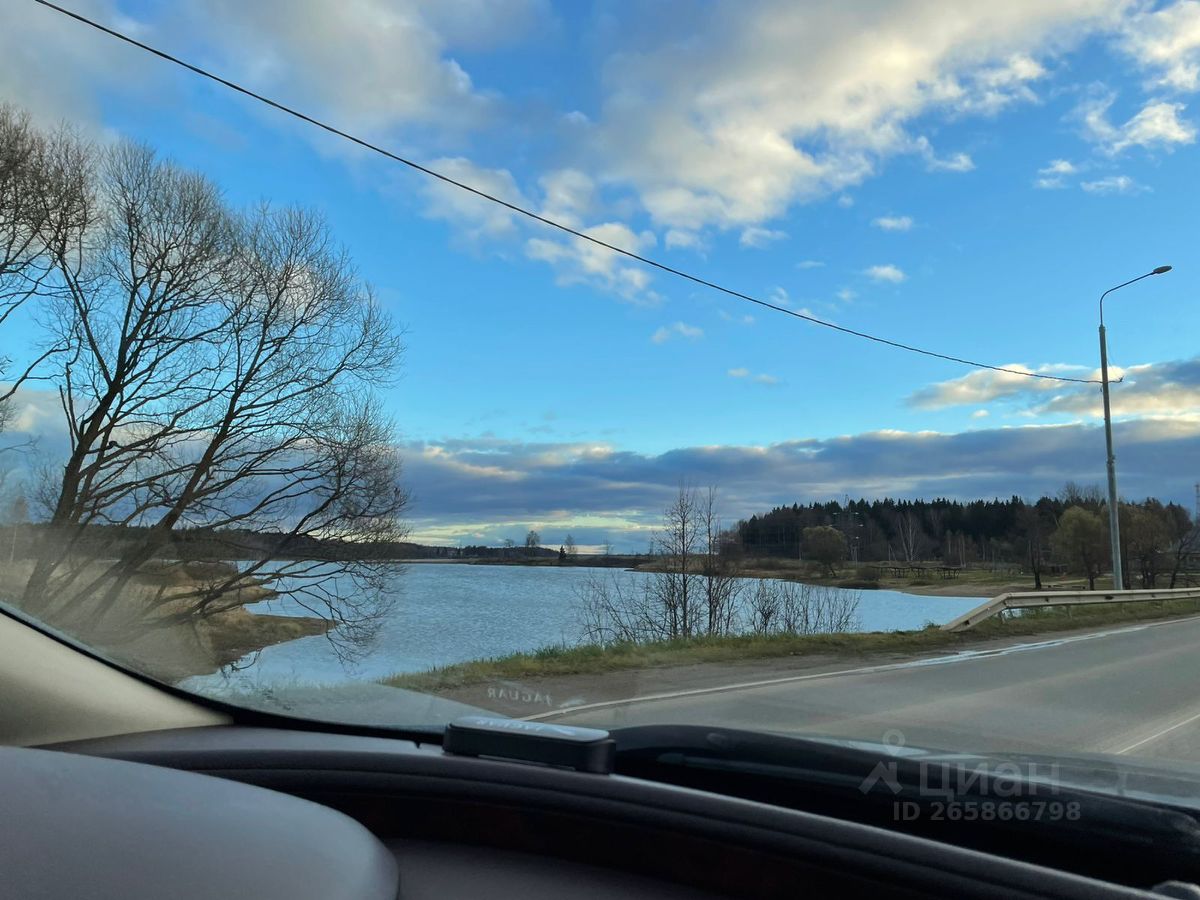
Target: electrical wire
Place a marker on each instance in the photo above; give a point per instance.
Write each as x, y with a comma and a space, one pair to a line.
645, 260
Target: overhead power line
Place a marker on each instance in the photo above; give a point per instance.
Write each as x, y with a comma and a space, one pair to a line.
645, 260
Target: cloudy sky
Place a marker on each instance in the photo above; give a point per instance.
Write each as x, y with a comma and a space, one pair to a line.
964, 177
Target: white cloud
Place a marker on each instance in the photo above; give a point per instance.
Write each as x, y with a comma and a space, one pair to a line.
760, 378
1168, 390
1167, 42
485, 481
886, 272
677, 329
810, 264
578, 261
568, 196
1112, 184
55, 68
760, 237
379, 64
475, 217
1001, 85
846, 295
1052, 175
682, 239
1059, 167
1156, 126
845, 201
756, 107
779, 296
981, 386
980, 414
955, 162
893, 223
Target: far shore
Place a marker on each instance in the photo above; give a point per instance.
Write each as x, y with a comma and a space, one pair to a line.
967, 582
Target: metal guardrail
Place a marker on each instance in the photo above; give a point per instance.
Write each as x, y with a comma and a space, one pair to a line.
1034, 599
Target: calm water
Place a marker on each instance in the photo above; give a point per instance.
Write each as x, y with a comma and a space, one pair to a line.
449, 612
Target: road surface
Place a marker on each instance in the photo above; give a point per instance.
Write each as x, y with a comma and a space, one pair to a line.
1130, 690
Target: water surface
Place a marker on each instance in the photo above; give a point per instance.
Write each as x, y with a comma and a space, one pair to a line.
454, 612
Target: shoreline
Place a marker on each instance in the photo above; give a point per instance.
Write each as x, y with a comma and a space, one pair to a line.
975, 583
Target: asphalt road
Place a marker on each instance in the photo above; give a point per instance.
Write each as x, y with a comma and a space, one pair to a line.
1130, 690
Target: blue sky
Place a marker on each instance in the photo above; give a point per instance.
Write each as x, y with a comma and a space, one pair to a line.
969, 182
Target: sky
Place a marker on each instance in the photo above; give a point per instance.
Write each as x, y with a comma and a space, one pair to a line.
965, 178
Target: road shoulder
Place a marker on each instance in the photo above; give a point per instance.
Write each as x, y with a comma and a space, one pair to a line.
544, 696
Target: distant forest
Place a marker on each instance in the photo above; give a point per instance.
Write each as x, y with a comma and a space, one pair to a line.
1156, 537
24, 541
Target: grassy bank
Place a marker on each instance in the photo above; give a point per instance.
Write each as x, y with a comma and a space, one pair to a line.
594, 659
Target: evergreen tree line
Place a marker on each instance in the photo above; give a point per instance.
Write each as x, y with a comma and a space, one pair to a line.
1064, 533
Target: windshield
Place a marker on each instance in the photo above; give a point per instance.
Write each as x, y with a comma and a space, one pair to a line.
811, 369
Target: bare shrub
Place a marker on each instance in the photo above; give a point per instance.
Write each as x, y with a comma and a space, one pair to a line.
617, 608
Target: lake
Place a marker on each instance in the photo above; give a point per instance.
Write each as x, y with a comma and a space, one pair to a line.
452, 612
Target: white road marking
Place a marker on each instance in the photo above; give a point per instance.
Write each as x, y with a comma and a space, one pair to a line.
965, 656
1158, 734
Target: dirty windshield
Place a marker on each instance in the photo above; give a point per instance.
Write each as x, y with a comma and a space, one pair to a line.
823, 369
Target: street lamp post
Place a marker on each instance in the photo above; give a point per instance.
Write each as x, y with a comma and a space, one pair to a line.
1114, 525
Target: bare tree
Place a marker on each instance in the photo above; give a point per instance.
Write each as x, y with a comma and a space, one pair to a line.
698, 591
676, 588
665, 604
816, 609
1087, 496
1036, 524
533, 540
614, 610
218, 373
909, 532
570, 548
1186, 539
43, 205
764, 607
778, 607
720, 584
